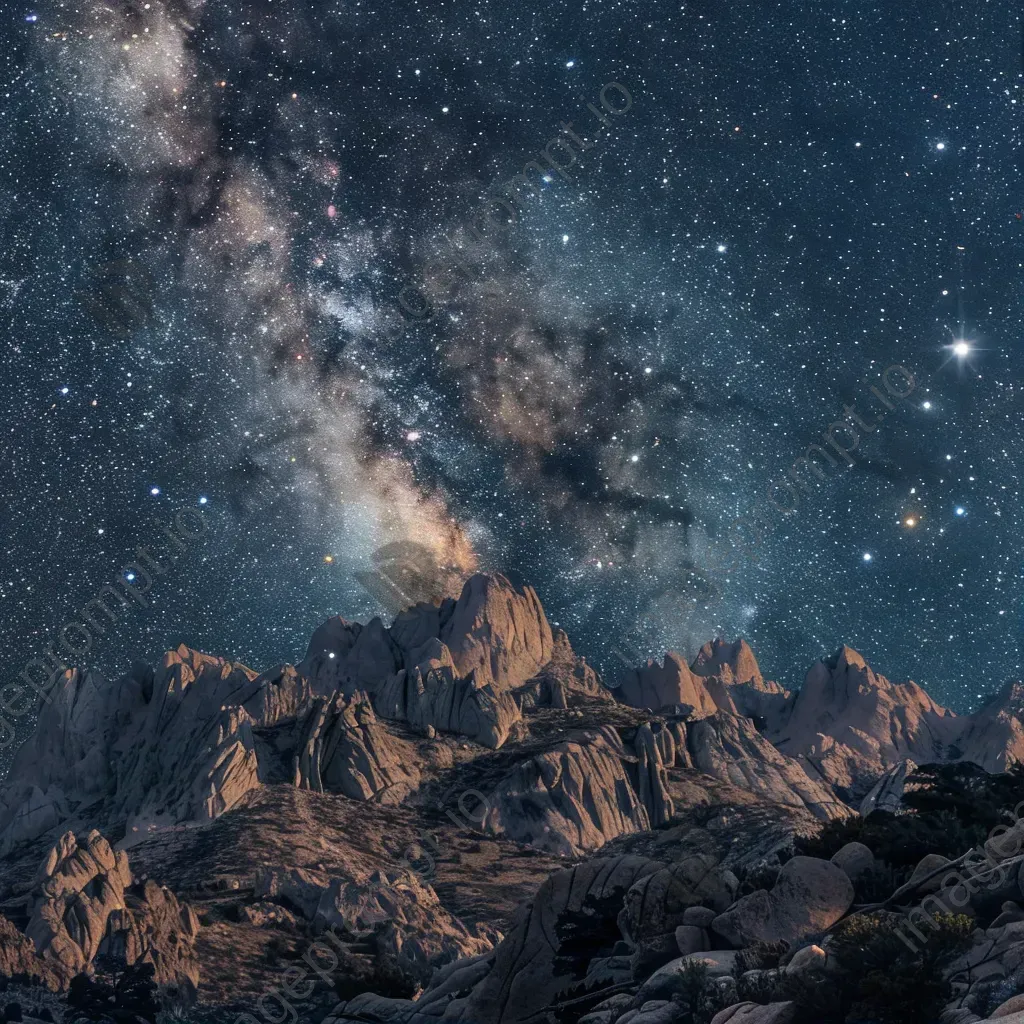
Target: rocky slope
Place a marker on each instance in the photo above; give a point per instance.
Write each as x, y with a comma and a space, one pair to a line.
402, 790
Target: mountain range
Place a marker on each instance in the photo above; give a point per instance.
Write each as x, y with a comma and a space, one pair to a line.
453, 795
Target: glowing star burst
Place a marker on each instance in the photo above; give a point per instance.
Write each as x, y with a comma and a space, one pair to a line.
910, 521
961, 349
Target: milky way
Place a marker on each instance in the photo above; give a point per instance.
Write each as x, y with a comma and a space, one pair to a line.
209, 215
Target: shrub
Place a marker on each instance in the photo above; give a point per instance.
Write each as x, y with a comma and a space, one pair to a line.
762, 987
131, 992
877, 977
761, 956
898, 840
697, 995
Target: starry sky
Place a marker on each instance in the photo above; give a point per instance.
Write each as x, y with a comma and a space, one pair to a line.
209, 212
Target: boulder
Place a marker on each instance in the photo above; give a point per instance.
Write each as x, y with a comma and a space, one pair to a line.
809, 896
855, 859
1015, 1004
552, 940
925, 866
699, 917
755, 1013
668, 979
657, 1011
691, 940
806, 959
995, 956
657, 903
1010, 912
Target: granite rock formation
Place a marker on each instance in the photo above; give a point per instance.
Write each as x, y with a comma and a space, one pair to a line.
617, 836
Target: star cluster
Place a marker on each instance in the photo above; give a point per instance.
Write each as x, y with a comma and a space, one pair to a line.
209, 214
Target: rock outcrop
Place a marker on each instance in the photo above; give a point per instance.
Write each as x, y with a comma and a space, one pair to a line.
344, 749
809, 896
552, 941
887, 793
854, 724
400, 910
728, 746
569, 800
847, 725
432, 695
84, 905
666, 684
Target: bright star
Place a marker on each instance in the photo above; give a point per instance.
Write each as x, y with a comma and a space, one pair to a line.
960, 510
721, 248
961, 348
570, 63
926, 405
565, 238
154, 491
941, 145
203, 501
867, 556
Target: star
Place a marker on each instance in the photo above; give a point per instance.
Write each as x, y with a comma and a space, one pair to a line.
961, 348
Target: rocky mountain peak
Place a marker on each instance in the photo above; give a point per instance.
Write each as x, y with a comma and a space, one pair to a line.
731, 662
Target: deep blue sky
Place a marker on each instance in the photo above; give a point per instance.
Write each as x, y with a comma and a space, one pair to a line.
800, 196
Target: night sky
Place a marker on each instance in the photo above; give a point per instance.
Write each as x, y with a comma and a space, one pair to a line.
209, 212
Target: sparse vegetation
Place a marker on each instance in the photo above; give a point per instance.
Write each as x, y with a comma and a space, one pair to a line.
761, 956
876, 976
697, 995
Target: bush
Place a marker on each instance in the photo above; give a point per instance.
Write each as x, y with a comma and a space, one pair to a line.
760, 988
952, 808
898, 840
130, 992
877, 977
761, 956
697, 995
